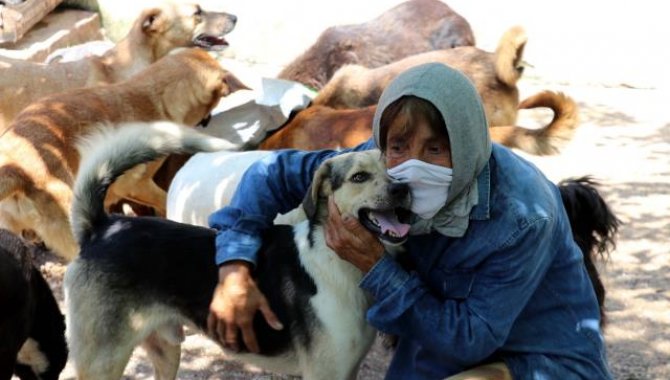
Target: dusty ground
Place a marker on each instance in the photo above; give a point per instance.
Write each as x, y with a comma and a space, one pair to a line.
615, 74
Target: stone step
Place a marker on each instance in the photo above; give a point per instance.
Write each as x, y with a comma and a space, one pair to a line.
58, 29
18, 16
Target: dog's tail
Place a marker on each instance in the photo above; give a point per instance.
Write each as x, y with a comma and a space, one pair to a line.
550, 139
594, 227
509, 56
108, 153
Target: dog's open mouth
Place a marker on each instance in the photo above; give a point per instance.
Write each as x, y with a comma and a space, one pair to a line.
388, 225
208, 41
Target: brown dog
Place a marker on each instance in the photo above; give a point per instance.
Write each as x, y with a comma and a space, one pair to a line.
320, 127
39, 161
409, 28
494, 75
154, 34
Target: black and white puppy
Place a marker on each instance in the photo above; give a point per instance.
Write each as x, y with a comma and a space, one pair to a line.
32, 328
138, 278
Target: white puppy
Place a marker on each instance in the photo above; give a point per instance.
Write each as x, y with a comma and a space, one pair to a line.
207, 182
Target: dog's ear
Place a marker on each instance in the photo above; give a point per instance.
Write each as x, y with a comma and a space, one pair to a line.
509, 55
319, 186
151, 20
233, 83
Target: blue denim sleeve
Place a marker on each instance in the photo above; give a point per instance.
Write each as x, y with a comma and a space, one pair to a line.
276, 184
404, 305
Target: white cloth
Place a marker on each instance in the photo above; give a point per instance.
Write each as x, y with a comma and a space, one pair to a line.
428, 184
246, 116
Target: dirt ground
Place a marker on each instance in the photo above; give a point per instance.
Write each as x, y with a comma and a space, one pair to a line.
623, 140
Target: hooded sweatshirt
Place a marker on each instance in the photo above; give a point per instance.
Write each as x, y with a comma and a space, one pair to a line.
494, 276
461, 108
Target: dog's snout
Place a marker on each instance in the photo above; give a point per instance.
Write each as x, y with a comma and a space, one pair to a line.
399, 190
232, 18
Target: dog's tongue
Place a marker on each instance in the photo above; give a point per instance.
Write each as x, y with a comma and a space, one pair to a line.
388, 221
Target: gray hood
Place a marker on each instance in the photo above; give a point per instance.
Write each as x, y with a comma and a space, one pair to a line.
456, 98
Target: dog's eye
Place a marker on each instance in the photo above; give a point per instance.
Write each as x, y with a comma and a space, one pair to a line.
360, 177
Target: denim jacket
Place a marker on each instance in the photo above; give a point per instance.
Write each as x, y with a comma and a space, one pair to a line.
514, 288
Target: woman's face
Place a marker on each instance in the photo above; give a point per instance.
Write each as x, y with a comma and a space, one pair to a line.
416, 142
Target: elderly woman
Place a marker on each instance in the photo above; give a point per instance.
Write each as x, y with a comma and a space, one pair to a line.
494, 285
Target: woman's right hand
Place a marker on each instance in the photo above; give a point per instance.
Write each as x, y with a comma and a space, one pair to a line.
235, 301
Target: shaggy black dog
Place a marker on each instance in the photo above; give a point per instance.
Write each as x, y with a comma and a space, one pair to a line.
30, 320
594, 227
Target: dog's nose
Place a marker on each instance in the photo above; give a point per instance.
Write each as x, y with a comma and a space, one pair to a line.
232, 18
399, 190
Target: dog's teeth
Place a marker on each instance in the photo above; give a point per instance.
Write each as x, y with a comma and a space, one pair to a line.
392, 234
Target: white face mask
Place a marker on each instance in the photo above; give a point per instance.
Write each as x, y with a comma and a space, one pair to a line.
428, 183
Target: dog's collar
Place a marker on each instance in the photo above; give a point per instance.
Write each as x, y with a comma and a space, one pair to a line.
205, 122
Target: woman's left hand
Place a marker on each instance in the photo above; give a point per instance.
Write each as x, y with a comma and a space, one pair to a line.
350, 240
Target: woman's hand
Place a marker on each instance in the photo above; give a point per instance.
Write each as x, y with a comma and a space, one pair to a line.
350, 240
235, 302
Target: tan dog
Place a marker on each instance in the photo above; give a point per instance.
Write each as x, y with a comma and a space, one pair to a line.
494, 75
39, 161
411, 27
153, 35
320, 127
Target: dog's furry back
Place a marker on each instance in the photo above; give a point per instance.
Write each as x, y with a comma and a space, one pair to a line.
411, 27
494, 74
110, 152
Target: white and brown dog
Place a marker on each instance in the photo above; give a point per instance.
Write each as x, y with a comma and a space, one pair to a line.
137, 278
155, 33
207, 182
38, 155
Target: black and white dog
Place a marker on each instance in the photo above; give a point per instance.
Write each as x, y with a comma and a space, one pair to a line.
208, 181
32, 327
138, 278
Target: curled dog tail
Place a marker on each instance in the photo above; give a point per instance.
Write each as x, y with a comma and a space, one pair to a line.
594, 227
549, 139
509, 54
108, 153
